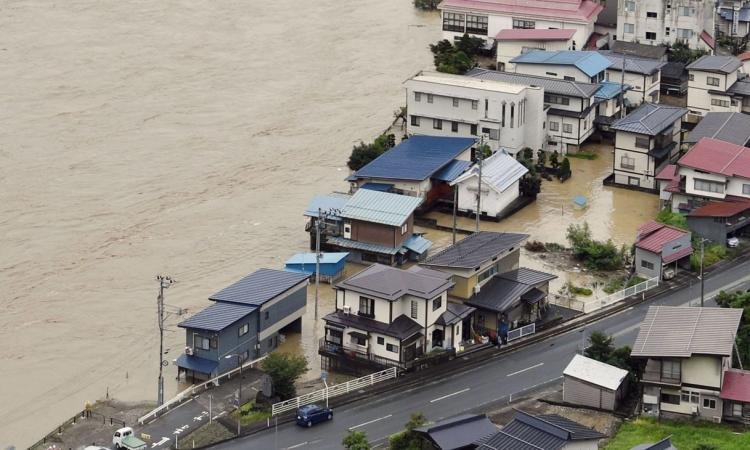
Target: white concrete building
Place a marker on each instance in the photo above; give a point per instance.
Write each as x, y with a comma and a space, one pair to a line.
509, 116
485, 18
501, 176
514, 42
656, 22
584, 67
716, 84
642, 75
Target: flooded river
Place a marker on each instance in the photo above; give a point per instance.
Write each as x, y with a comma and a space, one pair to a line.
182, 138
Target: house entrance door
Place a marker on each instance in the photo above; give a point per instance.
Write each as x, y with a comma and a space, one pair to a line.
410, 352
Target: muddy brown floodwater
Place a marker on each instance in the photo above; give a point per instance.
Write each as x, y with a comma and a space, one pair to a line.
182, 138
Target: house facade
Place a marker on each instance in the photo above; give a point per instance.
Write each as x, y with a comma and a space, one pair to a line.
645, 140
658, 246
517, 41
733, 18
735, 394
609, 104
686, 351
592, 383
485, 19
581, 66
711, 81
656, 22
570, 107
674, 79
244, 323
642, 75
508, 116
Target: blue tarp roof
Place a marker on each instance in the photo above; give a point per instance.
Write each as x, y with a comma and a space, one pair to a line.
452, 170
609, 90
382, 187
197, 364
325, 258
326, 203
590, 63
417, 244
259, 287
416, 158
217, 316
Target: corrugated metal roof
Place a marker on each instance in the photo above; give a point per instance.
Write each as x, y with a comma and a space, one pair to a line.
736, 385
326, 203
740, 87
475, 249
364, 246
731, 127
595, 372
259, 287
390, 283
667, 173
380, 207
585, 11
727, 208
196, 363
310, 258
527, 276
716, 156
217, 316
682, 331
639, 50
715, 63
706, 37
382, 187
655, 240
535, 34
451, 171
416, 158
590, 63
650, 119
499, 171
609, 90
458, 432
550, 85
632, 65
417, 244
687, 251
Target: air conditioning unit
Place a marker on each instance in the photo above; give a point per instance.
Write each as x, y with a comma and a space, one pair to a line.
347, 309
189, 351
477, 289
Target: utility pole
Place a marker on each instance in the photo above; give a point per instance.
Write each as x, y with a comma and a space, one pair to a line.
622, 88
702, 241
455, 206
480, 157
164, 283
318, 225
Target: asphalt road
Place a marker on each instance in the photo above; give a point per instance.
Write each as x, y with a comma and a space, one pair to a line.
480, 388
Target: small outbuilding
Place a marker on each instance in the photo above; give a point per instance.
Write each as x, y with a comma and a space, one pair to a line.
658, 245
457, 433
592, 383
331, 264
501, 178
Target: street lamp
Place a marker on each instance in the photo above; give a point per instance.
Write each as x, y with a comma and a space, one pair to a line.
239, 394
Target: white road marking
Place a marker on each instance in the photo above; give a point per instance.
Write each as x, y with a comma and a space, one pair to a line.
163, 440
524, 370
298, 445
449, 395
368, 423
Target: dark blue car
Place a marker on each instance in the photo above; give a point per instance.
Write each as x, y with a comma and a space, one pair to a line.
309, 414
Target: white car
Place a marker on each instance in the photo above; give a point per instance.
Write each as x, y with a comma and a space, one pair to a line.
733, 242
95, 447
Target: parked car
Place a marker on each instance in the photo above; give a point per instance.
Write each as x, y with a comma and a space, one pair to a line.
124, 439
95, 447
733, 242
310, 414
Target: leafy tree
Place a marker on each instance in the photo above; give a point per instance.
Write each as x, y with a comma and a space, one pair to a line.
356, 440
554, 160
530, 186
470, 45
485, 150
666, 216
363, 154
565, 172
541, 157
408, 439
739, 300
441, 47
454, 59
528, 153
284, 370
601, 348
681, 52
596, 255
426, 5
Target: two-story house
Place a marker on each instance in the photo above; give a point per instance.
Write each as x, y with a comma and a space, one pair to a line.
642, 75
656, 22
710, 81
609, 103
658, 245
389, 317
486, 18
244, 323
645, 140
505, 115
570, 107
686, 351
581, 66
517, 41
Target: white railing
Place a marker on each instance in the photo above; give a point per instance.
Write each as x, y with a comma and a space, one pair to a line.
518, 333
333, 391
195, 389
621, 295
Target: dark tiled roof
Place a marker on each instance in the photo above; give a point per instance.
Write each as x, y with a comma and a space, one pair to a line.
401, 328
390, 283
639, 50
731, 127
577, 430
259, 287
633, 65
475, 249
548, 432
664, 444
218, 316
459, 431
550, 85
740, 87
499, 294
454, 313
714, 63
650, 119
674, 70
527, 276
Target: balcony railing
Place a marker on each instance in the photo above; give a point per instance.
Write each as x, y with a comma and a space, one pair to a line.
420, 359
656, 377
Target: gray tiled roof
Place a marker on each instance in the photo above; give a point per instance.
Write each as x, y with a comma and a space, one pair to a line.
713, 63
664, 444
459, 431
673, 70
475, 249
527, 276
634, 65
401, 328
259, 287
217, 316
550, 85
731, 127
390, 283
740, 87
548, 432
454, 313
650, 119
679, 331
639, 50
499, 294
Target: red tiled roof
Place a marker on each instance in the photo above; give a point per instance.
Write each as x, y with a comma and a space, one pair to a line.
726, 208
591, 43
652, 236
743, 56
678, 255
537, 34
648, 228
667, 173
579, 10
708, 39
715, 156
736, 385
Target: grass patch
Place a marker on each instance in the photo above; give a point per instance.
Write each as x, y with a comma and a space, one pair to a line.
208, 434
248, 415
685, 436
577, 290
619, 283
712, 253
584, 154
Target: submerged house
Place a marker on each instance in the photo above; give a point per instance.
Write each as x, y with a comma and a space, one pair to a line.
331, 264
244, 323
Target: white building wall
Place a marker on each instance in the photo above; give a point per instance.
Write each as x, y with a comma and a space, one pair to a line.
670, 18
641, 85
699, 98
702, 371
690, 177
492, 201
552, 71
507, 50
739, 187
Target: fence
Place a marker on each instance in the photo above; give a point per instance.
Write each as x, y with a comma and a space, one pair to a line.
518, 333
566, 302
197, 389
621, 295
333, 391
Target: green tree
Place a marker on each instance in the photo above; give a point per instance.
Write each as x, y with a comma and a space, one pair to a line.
541, 157
356, 440
470, 45
554, 160
667, 217
681, 52
451, 59
426, 5
600, 346
596, 255
741, 300
284, 370
528, 153
408, 439
565, 172
363, 154
485, 150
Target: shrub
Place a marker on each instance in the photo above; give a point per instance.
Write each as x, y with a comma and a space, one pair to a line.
284, 370
594, 254
576, 290
356, 440
426, 5
584, 155
541, 157
554, 160
535, 246
667, 217
565, 171
712, 253
363, 154
554, 247
456, 59
408, 439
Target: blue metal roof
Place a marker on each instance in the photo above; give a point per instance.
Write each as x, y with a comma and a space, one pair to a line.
259, 287
325, 258
382, 187
609, 90
217, 316
416, 158
365, 246
380, 207
452, 170
326, 203
197, 364
417, 244
590, 63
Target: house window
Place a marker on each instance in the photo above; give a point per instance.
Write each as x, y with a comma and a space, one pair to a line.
454, 127
651, 15
437, 303
689, 397
647, 264
686, 11
476, 24
569, 78
244, 356
455, 102
512, 114
414, 309
266, 315
708, 186
629, 28
437, 124
672, 399
473, 130
415, 121
391, 348
474, 104
556, 99
381, 340
670, 369
429, 98
737, 409
628, 163
525, 24
244, 328
746, 189
691, 77
630, 6
358, 339
201, 342
366, 307
552, 74
719, 102
502, 116
650, 36
554, 126
585, 124
404, 228
486, 274
494, 134
567, 128
453, 22
684, 33
709, 403
642, 142
634, 181
417, 96
655, 77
